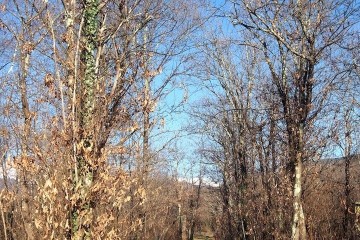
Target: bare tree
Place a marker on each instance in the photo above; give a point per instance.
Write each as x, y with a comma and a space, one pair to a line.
295, 38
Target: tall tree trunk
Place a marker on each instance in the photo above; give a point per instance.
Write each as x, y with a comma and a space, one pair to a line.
24, 68
85, 157
348, 144
298, 224
146, 132
70, 65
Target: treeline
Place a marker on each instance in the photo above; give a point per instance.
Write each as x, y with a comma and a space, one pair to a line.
283, 96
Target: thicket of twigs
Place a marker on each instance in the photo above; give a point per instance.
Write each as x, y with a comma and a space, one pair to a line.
92, 92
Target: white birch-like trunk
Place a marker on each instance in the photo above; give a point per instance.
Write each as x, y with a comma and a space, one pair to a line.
298, 225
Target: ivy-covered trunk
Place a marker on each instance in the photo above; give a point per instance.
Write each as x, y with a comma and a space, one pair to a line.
82, 208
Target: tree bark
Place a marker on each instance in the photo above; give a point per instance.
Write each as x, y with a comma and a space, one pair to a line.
24, 64
85, 157
348, 145
298, 225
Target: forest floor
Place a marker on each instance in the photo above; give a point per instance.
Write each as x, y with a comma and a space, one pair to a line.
204, 235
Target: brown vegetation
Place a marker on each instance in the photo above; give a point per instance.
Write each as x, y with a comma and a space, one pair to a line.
87, 88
